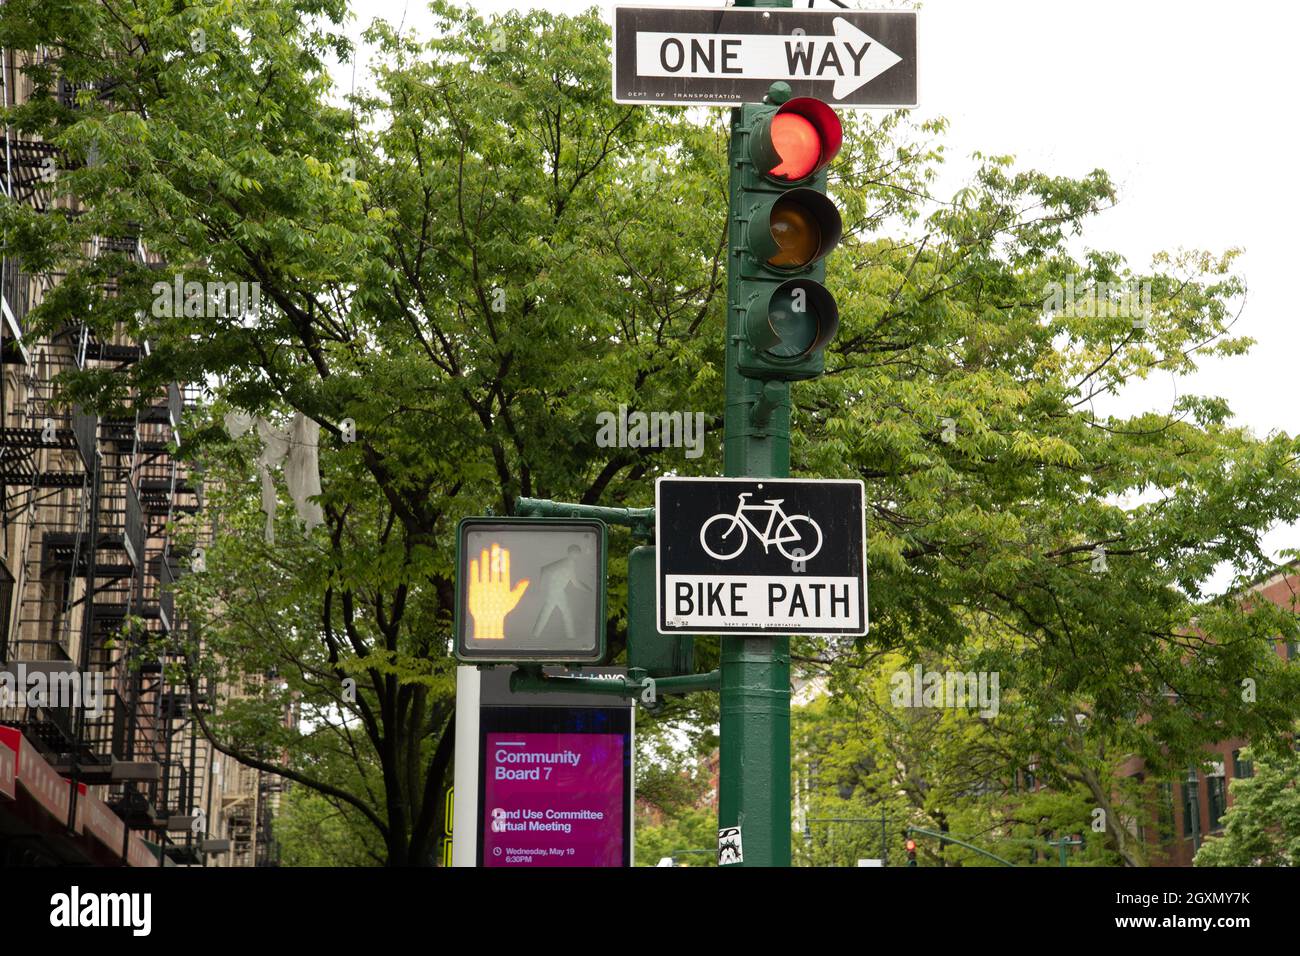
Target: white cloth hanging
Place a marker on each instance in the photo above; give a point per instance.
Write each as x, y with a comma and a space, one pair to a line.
275, 445
297, 447
237, 423
302, 470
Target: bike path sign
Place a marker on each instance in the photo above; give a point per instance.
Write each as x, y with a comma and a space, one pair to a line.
761, 556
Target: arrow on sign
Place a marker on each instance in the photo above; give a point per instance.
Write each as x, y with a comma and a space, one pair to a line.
850, 58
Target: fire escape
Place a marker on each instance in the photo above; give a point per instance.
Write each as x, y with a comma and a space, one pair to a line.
166, 491
87, 505
270, 794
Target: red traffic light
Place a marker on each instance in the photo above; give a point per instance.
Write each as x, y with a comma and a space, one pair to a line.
796, 141
799, 140
911, 846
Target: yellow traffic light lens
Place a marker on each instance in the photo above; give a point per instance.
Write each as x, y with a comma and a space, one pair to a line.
797, 234
799, 145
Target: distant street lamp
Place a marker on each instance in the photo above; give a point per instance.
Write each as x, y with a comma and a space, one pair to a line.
1194, 806
1062, 843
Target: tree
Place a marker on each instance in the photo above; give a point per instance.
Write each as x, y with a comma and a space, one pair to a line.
420, 257
1262, 827
313, 832
870, 744
690, 837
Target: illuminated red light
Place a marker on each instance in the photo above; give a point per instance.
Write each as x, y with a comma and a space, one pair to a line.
799, 145
911, 845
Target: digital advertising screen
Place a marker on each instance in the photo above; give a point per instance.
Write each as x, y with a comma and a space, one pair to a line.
556, 788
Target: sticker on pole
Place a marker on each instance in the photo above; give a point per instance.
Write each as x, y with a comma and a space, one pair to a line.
730, 849
761, 556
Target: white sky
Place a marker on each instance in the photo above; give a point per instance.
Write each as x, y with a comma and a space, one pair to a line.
1184, 103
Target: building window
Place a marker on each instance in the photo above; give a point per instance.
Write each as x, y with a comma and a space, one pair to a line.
57, 590
1165, 812
6, 609
1191, 812
1241, 768
1217, 791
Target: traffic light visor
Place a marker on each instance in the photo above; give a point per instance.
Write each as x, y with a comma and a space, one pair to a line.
794, 320
799, 140
794, 231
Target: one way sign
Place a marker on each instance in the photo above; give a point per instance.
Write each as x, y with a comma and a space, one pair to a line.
724, 57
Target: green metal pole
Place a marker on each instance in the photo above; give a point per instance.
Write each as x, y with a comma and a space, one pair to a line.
884, 842
754, 771
640, 520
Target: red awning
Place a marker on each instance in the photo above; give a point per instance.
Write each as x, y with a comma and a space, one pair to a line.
100, 822
8, 763
25, 773
38, 779
139, 854
107, 827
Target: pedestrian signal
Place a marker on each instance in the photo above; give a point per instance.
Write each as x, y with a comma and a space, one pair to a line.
530, 590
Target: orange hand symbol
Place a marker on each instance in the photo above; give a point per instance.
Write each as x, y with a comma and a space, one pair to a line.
490, 596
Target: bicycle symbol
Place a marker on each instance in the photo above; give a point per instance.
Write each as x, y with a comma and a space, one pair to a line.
797, 530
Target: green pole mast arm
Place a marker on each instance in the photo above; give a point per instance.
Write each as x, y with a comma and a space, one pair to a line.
534, 681
944, 837
676, 853
640, 520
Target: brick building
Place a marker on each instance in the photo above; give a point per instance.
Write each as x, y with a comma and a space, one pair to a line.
1183, 814
106, 765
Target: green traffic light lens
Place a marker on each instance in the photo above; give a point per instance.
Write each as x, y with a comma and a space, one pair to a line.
793, 321
786, 326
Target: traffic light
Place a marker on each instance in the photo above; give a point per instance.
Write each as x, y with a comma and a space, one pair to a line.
783, 226
911, 853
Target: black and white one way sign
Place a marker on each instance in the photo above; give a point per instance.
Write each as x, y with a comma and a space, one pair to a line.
723, 57
761, 556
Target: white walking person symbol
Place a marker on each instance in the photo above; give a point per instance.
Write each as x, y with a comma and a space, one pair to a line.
554, 583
